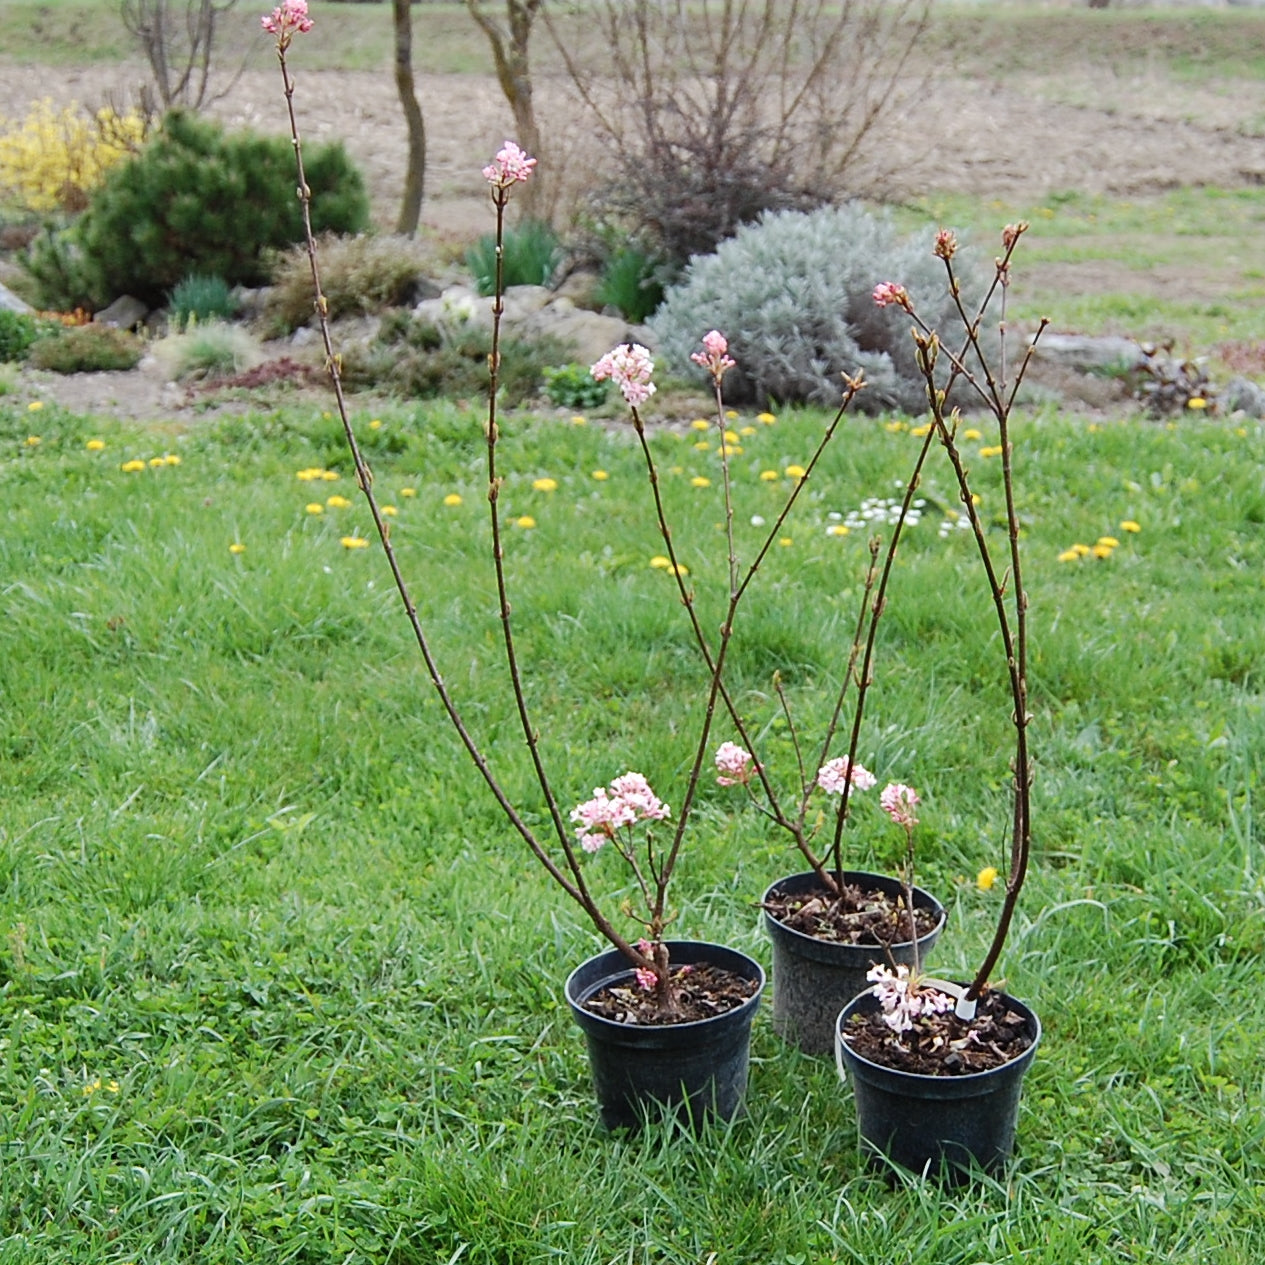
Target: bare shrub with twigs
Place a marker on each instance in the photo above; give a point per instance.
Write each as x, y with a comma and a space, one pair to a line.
713, 113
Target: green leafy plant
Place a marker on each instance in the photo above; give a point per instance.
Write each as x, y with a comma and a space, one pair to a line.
572, 386
531, 254
18, 330
199, 298
196, 199
86, 349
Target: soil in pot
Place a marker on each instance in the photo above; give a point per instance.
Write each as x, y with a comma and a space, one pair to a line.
823, 948
703, 991
944, 1045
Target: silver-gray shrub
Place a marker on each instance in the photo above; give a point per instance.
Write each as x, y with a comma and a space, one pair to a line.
793, 293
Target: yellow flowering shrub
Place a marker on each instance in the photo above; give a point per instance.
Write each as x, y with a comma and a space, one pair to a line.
53, 160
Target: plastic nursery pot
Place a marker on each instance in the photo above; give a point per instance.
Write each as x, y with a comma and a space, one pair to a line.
814, 979
696, 1069
936, 1124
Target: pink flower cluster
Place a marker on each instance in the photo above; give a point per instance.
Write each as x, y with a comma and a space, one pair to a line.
287, 19
510, 166
898, 801
629, 367
901, 1004
646, 979
715, 356
734, 765
888, 292
835, 774
628, 801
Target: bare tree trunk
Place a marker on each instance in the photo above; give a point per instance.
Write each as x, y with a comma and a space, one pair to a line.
415, 173
513, 72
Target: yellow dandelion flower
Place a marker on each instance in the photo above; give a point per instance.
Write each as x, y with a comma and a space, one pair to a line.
1069, 555
679, 569
34, 406
765, 419
660, 563
985, 879
702, 446
526, 521
329, 475
1196, 402
795, 472
972, 433
353, 542
991, 450
376, 424
1101, 551
32, 441
730, 450
601, 476
1080, 550
1130, 526
545, 485
1110, 541
337, 502
895, 427
309, 474
769, 476
132, 466
730, 412
91, 1087
579, 421
700, 423
976, 499
699, 481
315, 508
409, 492
453, 498
155, 462
837, 529
785, 541
389, 511
95, 445
1241, 431
237, 547
729, 436
746, 431
171, 459
920, 431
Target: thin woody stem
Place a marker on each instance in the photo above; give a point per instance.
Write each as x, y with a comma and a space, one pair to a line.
573, 884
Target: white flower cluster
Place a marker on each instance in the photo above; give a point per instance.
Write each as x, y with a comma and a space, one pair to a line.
902, 1004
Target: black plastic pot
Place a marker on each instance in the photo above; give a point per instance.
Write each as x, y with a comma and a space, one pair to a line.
937, 1124
695, 1069
814, 979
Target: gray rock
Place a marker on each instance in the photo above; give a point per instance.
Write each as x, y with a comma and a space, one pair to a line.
304, 336
591, 334
125, 313
10, 302
1243, 395
1080, 351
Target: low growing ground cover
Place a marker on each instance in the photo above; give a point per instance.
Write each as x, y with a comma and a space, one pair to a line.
276, 983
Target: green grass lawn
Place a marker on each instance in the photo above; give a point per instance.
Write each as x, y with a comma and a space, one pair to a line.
277, 984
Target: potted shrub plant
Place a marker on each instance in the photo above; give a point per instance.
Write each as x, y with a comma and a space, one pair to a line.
937, 1066
828, 925
666, 1021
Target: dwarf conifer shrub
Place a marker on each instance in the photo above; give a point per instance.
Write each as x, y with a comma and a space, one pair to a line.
794, 294
195, 200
